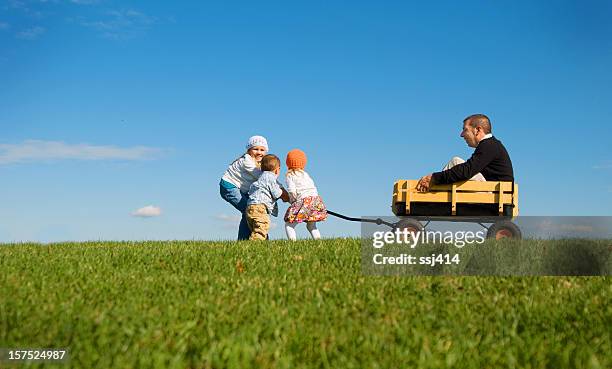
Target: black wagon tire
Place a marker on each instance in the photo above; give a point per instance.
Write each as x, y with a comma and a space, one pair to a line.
412, 225
504, 229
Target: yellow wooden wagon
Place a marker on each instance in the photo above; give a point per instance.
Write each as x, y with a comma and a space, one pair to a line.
490, 202
469, 201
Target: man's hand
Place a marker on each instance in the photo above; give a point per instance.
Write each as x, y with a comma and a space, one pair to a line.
424, 183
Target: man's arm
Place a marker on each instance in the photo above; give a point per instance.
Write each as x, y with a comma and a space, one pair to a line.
482, 156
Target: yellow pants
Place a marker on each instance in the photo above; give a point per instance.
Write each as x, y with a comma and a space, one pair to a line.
258, 221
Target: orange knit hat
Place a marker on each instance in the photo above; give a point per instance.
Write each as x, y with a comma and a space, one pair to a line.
296, 159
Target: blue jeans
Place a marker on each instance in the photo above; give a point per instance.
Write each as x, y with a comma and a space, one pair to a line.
239, 201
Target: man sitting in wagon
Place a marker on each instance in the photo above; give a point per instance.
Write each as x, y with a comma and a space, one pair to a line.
489, 162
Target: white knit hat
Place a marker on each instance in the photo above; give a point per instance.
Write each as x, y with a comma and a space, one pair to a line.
257, 141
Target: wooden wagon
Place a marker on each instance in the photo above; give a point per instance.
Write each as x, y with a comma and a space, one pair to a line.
490, 202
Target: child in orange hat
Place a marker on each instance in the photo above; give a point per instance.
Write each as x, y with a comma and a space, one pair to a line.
306, 204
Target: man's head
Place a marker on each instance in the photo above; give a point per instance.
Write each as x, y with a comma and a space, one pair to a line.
271, 163
475, 127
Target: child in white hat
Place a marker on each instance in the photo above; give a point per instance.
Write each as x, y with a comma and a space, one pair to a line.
241, 173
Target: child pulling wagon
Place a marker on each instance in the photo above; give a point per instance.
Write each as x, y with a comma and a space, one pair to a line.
306, 204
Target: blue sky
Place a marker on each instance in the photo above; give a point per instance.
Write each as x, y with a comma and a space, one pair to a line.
110, 106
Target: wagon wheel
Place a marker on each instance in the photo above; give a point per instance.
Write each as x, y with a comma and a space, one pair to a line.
504, 229
412, 225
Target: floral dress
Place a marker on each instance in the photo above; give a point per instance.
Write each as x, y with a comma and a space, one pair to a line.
306, 204
307, 209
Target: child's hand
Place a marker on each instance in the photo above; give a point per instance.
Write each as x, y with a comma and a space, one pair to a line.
285, 195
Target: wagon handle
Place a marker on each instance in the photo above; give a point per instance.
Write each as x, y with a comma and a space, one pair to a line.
378, 221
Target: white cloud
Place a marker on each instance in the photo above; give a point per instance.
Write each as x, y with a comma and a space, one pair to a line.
16, 4
228, 218
31, 33
604, 165
147, 212
547, 225
122, 24
30, 8
229, 221
232, 221
37, 151
84, 2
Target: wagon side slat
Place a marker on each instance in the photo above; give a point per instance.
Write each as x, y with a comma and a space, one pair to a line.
469, 192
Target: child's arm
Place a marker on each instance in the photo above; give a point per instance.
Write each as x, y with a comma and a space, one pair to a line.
285, 195
276, 190
250, 165
291, 189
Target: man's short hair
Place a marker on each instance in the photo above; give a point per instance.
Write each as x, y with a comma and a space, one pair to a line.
270, 162
479, 120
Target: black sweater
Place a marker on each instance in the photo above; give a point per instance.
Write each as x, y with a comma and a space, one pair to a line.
490, 159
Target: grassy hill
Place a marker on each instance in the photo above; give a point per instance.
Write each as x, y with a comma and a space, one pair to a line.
189, 304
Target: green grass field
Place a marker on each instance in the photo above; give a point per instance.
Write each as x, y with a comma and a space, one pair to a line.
288, 305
